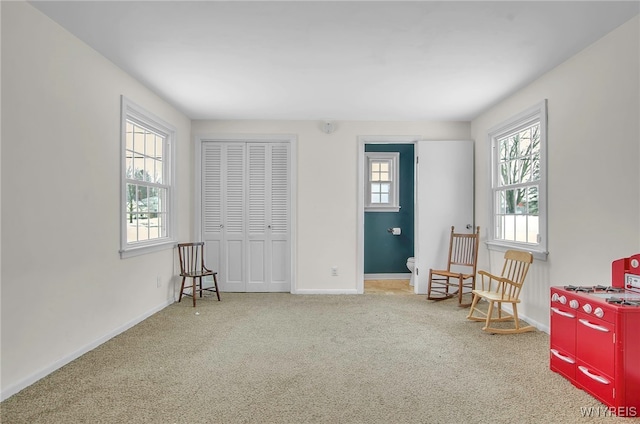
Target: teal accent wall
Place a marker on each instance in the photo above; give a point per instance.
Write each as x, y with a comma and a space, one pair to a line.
383, 252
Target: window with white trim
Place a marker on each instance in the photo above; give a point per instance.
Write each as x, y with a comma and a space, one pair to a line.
382, 182
519, 182
147, 181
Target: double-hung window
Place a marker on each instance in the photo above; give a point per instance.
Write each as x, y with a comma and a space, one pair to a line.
147, 181
382, 182
519, 182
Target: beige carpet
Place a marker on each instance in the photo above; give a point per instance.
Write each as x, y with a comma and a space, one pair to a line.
281, 358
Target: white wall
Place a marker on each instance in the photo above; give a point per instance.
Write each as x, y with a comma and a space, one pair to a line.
593, 171
64, 287
327, 189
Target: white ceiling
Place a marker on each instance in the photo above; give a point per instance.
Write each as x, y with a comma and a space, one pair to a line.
341, 60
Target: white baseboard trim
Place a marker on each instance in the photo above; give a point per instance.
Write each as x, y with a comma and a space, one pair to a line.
326, 291
15, 388
388, 276
542, 327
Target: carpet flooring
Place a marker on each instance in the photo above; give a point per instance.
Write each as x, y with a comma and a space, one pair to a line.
282, 358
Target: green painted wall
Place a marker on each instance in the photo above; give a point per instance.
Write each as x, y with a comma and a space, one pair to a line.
383, 252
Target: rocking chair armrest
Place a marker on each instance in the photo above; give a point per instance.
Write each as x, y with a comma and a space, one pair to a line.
490, 278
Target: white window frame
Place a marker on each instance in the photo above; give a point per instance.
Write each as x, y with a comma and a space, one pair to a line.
393, 158
536, 113
135, 113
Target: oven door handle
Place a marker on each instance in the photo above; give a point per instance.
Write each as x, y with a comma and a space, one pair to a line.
564, 314
594, 326
597, 378
562, 357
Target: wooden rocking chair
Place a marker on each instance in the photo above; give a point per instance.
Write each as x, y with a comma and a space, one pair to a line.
503, 289
461, 269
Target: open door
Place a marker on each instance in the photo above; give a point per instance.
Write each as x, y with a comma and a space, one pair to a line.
444, 197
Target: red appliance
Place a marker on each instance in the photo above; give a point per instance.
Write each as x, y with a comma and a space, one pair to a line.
595, 337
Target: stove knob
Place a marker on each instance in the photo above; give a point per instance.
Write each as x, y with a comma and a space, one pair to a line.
554, 297
574, 304
598, 312
587, 308
562, 300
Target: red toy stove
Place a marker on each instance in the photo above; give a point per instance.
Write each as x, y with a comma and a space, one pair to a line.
595, 337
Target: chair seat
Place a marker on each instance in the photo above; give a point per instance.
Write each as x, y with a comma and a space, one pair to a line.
496, 297
196, 274
446, 273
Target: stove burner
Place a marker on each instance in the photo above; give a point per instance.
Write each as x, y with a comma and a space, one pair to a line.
584, 289
594, 289
623, 302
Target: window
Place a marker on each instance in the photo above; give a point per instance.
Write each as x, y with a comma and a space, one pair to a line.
518, 182
147, 181
382, 181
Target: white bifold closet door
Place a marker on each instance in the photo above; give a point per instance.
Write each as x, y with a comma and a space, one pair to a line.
246, 214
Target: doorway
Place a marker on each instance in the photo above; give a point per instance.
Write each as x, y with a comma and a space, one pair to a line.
444, 196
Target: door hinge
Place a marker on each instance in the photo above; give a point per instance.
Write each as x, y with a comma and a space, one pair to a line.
417, 159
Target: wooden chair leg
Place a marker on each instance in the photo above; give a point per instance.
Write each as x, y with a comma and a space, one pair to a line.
193, 291
487, 324
200, 283
215, 283
474, 302
181, 289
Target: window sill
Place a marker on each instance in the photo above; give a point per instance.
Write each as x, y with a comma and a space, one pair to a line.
130, 252
538, 253
382, 209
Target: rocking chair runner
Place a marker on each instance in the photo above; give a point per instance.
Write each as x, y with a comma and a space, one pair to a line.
461, 269
192, 266
502, 289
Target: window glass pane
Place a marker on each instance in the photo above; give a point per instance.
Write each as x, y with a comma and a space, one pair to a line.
138, 169
532, 199
375, 197
501, 202
150, 144
385, 188
384, 198
159, 148
505, 172
138, 140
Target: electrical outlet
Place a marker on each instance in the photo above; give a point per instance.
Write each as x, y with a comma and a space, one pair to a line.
158, 282
334, 271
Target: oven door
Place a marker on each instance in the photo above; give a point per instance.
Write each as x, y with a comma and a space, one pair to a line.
595, 343
562, 357
595, 355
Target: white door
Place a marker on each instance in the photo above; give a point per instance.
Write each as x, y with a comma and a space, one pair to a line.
268, 217
223, 197
246, 214
444, 197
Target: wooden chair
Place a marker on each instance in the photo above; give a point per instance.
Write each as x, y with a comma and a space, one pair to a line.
461, 269
503, 289
192, 266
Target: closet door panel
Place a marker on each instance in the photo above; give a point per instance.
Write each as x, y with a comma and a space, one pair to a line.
212, 221
234, 223
279, 212
257, 217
